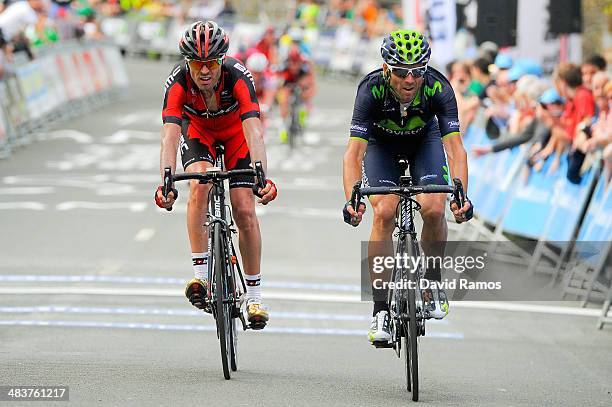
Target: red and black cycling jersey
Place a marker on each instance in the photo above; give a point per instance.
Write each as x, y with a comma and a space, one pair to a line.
235, 94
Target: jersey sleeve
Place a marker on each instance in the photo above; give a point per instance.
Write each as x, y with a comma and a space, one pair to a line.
244, 92
361, 122
174, 97
445, 109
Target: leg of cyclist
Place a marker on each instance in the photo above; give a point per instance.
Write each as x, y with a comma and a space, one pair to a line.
249, 237
283, 107
196, 157
380, 169
428, 166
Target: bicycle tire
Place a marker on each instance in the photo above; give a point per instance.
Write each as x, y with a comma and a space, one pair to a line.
223, 312
413, 330
234, 347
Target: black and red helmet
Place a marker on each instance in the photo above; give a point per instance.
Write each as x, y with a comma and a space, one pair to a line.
204, 40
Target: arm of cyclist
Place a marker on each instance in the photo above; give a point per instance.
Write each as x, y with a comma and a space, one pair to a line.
457, 162
171, 134
353, 157
253, 132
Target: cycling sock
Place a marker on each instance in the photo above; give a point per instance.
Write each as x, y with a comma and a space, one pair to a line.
380, 306
200, 265
433, 273
253, 286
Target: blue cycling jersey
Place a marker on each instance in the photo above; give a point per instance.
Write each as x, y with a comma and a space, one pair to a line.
377, 115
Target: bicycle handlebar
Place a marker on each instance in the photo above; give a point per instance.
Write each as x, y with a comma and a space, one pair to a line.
211, 176
408, 191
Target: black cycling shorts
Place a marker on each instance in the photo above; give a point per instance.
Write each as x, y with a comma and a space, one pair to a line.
196, 145
425, 155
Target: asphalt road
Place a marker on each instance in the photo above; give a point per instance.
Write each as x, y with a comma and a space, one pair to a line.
91, 279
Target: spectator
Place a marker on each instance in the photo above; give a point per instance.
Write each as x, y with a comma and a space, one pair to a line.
597, 135
591, 66
341, 12
499, 103
367, 13
525, 126
467, 103
481, 78
13, 22
579, 108
206, 9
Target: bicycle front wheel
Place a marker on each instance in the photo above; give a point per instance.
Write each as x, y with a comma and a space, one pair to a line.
412, 330
224, 312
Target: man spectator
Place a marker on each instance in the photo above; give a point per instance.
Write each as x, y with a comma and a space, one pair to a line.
13, 22
590, 67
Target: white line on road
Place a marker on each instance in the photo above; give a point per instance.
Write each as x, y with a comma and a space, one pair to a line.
297, 296
208, 328
27, 278
185, 312
26, 191
144, 235
132, 206
34, 206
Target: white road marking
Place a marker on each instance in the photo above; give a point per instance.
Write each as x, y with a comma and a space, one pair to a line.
131, 206
27, 191
77, 136
34, 206
208, 328
185, 312
297, 296
28, 278
144, 235
125, 136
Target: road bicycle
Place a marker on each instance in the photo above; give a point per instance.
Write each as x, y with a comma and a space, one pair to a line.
296, 112
405, 298
227, 287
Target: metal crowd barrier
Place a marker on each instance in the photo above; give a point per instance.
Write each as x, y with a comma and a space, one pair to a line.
62, 82
513, 201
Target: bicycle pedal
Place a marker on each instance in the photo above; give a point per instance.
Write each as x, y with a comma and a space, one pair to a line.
236, 312
257, 325
201, 303
380, 344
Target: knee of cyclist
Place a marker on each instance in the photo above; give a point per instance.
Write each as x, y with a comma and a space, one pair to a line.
198, 195
244, 216
384, 216
433, 213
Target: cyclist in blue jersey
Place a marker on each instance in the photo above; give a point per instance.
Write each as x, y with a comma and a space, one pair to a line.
406, 109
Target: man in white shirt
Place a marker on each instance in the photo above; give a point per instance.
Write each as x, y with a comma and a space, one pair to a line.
18, 16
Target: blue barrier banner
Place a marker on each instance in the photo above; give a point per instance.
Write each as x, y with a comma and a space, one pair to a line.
567, 205
597, 223
529, 208
34, 87
498, 181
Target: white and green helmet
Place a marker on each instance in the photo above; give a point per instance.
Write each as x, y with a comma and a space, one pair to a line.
405, 47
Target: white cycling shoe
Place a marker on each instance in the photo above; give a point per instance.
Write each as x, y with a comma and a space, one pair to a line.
435, 303
379, 332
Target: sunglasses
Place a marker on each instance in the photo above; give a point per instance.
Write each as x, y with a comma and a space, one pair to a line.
418, 72
211, 64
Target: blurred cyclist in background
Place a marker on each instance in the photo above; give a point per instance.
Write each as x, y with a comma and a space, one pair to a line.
265, 82
210, 98
298, 71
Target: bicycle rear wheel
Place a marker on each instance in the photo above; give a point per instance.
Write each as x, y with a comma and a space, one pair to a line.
224, 312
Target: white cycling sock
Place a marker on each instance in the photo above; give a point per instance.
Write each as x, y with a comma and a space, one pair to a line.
200, 265
253, 286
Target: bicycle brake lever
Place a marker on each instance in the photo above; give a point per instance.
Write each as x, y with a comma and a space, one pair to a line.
260, 179
167, 187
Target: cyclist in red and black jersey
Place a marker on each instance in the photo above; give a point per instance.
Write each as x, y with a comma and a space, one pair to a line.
210, 98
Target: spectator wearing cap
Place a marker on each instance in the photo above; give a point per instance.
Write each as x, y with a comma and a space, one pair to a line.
590, 66
579, 109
